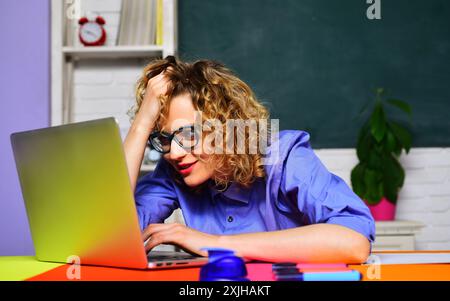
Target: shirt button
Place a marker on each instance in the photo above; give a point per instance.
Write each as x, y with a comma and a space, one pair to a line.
230, 219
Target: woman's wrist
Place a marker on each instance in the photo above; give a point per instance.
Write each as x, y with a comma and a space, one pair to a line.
143, 123
227, 242
142, 127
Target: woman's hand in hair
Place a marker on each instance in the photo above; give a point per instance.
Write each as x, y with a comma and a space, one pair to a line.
186, 238
143, 124
156, 86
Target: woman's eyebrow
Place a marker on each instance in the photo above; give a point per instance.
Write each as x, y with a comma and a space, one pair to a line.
162, 130
189, 125
186, 126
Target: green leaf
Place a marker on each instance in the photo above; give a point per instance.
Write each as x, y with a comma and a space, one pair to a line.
364, 143
393, 171
390, 142
374, 160
374, 197
370, 177
357, 179
378, 123
390, 191
403, 135
373, 186
401, 105
393, 178
400, 174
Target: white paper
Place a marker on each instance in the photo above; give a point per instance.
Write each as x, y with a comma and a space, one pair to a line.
408, 258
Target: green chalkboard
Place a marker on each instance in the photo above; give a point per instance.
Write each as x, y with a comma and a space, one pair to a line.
315, 63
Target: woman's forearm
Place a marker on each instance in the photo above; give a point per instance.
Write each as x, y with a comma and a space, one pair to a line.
313, 243
136, 140
134, 145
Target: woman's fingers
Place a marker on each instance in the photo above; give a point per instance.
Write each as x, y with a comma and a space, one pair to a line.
161, 76
165, 70
154, 80
158, 84
153, 228
161, 237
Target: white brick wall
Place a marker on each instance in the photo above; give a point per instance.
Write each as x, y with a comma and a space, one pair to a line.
104, 88
425, 196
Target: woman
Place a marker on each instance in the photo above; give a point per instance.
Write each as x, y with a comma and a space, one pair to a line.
291, 209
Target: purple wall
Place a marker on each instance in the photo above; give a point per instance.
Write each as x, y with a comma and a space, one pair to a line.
24, 104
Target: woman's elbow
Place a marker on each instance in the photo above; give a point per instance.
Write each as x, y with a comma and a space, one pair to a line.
360, 250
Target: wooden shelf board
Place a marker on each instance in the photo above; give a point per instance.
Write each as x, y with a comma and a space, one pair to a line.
113, 51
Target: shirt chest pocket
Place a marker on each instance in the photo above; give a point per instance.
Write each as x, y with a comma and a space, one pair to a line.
291, 215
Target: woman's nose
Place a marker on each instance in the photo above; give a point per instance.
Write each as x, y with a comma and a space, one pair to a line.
176, 151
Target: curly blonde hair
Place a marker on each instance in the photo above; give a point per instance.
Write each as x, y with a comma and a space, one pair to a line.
219, 94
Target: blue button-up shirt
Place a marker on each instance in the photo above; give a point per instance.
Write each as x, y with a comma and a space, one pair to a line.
298, 190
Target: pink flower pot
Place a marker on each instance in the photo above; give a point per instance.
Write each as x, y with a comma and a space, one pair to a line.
383, 211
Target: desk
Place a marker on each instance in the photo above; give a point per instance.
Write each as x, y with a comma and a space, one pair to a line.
257, 272
15, 268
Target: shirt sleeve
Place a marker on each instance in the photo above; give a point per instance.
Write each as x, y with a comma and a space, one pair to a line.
155, 196
322, 196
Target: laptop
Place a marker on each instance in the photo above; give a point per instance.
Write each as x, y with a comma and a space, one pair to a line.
78, 198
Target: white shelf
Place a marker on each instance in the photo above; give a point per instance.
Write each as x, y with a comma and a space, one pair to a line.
396, 235
397, 227
113, 51
64, 56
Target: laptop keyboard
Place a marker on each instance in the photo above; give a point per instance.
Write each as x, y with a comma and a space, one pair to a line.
152, 257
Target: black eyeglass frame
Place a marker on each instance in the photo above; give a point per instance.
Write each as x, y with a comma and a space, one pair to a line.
170, 137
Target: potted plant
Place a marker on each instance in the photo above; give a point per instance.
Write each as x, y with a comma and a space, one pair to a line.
378, 176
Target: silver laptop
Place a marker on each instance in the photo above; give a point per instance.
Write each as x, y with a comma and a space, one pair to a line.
78, 198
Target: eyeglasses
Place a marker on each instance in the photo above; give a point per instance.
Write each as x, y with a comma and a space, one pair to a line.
185, 136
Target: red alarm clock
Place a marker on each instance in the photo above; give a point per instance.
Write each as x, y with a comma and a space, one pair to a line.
92, 33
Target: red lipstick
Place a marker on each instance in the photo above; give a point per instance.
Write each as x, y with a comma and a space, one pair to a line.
186, 168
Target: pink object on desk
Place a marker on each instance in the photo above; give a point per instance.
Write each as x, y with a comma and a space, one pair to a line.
260, 272
322, 267
263, 271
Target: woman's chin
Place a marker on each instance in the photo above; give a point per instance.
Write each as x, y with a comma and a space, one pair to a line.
193, 181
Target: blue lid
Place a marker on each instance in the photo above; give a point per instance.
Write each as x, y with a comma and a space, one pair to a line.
223, 265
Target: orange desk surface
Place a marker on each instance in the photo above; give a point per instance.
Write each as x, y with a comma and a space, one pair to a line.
257, 271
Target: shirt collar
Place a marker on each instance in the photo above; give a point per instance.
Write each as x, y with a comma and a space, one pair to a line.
234, 192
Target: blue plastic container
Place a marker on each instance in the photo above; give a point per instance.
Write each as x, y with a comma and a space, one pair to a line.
223, 265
